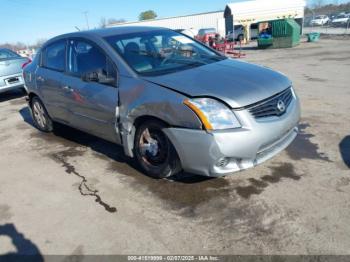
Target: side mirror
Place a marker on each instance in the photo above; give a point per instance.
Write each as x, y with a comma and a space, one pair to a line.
90, 77
99, 76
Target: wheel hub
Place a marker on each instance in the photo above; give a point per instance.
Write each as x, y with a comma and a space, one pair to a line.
153, 147
39, 114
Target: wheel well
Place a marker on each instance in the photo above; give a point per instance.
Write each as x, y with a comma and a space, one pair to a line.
31, 96
142, 119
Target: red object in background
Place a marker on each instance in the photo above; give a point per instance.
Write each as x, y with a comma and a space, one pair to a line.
205, 38
228, 48
27, 63
77, 97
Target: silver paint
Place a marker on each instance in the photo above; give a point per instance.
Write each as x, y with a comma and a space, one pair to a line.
113, 112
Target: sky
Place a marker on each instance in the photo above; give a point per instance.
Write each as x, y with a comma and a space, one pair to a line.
30, 20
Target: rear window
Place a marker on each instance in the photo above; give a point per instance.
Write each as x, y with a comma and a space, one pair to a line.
54, 56
6, 54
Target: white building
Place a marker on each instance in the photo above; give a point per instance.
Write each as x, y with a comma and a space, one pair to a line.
251, 12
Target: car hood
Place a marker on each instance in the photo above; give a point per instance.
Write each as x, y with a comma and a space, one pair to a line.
237, 83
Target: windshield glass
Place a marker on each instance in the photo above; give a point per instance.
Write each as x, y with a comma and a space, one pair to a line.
7, 54
161, 52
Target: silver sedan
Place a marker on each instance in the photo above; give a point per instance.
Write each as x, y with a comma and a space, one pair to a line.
11, 70
171, 102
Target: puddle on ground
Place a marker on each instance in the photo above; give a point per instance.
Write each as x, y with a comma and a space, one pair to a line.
314, 79
303, 148
184, 193
337, 59
257, 186
75, 143
84, 189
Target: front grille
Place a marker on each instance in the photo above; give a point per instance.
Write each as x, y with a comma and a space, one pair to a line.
274, 106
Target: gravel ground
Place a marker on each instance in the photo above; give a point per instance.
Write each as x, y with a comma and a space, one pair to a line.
71, 193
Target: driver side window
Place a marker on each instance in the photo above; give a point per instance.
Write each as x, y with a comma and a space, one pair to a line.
84, 58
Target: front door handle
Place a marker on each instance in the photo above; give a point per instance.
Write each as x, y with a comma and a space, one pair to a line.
40, 78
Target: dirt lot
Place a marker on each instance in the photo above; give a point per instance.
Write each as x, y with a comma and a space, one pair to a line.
71, 193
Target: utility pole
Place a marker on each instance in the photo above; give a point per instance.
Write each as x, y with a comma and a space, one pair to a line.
86, 19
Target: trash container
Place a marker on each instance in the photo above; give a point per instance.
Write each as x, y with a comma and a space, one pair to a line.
313, 37
265, 42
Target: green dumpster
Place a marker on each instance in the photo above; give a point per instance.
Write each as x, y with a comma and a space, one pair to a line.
264, 43
313, 37
284, 33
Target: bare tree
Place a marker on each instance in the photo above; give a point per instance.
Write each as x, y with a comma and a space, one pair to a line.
112, 21
103, 22
318, 3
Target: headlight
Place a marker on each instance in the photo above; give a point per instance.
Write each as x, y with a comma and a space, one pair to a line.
213, 114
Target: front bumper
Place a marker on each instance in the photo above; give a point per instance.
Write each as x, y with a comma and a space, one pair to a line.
220, 153
6, 85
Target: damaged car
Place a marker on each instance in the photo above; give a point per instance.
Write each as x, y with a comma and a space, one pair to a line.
171, 102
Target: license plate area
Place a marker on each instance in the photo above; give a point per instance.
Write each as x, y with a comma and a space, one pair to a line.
12, 80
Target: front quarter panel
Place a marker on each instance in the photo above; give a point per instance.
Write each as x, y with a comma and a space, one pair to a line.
139, 98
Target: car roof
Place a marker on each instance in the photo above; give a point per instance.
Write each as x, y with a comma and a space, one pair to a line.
105, 32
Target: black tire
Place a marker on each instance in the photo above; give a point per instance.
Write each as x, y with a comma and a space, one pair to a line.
41, 118
161, 160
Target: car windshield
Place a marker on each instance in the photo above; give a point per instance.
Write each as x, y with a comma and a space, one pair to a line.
341, 16
320, 17
7, 54
161, 52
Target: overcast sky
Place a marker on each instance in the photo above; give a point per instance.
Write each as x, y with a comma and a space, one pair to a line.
29, 20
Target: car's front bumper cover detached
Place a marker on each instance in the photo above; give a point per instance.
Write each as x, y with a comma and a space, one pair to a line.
220, 153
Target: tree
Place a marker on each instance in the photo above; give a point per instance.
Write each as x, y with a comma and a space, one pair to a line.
103, 22
318, 3
147, 15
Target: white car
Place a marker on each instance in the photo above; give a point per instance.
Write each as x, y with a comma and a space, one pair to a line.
238, 33
320, 20
341, 20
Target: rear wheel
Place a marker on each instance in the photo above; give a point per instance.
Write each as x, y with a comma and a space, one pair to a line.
154, 151
40, 116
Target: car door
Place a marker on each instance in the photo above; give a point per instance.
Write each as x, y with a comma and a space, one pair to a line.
48, 78
92, 103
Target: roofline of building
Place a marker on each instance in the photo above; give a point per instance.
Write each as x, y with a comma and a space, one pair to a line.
165, 18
